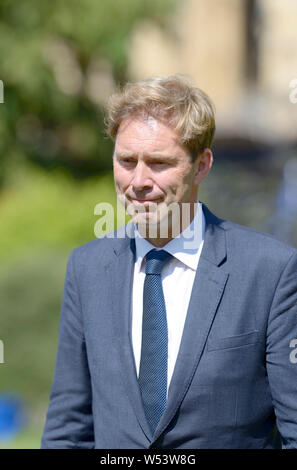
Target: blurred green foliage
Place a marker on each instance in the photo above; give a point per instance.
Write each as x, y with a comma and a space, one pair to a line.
27, 439
59, 61
49, 209
44, 215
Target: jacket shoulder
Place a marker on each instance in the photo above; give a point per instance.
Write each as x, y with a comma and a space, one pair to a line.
105, 247
248, 239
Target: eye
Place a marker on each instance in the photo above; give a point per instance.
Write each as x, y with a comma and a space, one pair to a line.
159, 163
127, 161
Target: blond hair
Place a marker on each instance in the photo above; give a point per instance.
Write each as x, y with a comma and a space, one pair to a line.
173, 100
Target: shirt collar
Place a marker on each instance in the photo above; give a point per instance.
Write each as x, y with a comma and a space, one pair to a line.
186, 247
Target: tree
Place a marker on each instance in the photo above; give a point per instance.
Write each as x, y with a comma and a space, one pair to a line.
59, 61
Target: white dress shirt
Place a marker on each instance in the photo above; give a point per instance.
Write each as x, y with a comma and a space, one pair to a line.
177, 281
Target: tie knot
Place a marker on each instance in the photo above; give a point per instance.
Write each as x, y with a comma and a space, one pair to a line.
156, 260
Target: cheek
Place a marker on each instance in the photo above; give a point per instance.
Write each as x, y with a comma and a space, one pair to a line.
179, 183
167, 184
120, 178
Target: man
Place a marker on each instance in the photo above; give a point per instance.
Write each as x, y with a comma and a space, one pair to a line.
177, 338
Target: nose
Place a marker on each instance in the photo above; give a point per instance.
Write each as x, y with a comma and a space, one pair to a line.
141, 177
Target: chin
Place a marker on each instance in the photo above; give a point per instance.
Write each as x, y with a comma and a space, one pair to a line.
146, 218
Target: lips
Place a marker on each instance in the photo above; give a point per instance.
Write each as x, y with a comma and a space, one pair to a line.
141, 201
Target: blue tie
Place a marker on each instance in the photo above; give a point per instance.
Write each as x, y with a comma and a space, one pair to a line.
154, 348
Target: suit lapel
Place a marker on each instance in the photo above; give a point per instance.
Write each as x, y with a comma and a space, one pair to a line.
120, 273
208, 287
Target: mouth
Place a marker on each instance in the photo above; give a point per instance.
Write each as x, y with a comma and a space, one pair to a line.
145, 201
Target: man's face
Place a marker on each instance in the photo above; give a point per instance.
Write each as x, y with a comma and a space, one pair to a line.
151, 168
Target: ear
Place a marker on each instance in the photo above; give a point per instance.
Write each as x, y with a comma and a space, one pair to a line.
203, 165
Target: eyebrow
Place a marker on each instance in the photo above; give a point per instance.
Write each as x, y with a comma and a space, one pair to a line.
146, 155
124, 155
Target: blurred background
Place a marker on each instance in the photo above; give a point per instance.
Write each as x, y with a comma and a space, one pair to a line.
59, 62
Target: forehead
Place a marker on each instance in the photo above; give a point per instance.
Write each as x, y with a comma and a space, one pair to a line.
148, 132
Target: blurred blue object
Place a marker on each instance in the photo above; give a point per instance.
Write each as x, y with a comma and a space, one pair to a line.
12, 417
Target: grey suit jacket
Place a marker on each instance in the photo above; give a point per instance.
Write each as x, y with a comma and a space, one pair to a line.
235, 380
